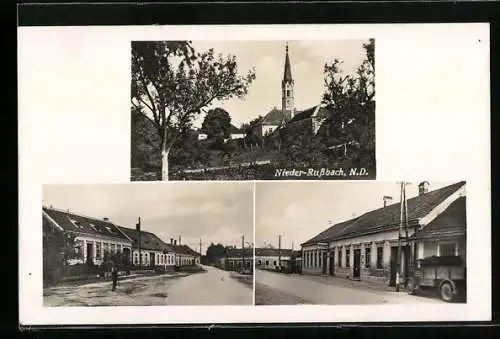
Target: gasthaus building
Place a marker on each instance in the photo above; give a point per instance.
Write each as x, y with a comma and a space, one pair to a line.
366, 247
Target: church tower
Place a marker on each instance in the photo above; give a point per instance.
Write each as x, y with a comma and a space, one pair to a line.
287, 84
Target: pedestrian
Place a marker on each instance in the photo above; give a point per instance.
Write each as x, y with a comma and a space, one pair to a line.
114, 276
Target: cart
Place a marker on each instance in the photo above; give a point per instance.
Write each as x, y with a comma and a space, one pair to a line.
445, 274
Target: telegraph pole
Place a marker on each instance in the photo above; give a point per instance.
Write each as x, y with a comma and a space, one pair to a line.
243, 250
398, 263
200, 250
138, 227
279, 251
407, 248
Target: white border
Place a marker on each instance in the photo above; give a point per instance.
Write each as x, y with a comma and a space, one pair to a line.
432, 123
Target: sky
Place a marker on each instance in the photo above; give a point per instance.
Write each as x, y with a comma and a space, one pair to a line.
300, 210
215, 212
307, 60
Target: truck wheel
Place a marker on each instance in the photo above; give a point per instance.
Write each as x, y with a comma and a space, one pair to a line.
446, 292
411, 286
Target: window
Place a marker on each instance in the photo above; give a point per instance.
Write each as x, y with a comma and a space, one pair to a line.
287, 92
98, 250
367, 257
113, 248
93, 227
267, 262
347, 258
259, 262
136, 258
75, 223
274, 263
380, 254
340, 258
446, 250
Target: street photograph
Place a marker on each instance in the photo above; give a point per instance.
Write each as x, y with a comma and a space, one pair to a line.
253, 110
357, 243
145, 244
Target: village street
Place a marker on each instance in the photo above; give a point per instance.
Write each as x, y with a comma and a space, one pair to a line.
213, 287
287, 289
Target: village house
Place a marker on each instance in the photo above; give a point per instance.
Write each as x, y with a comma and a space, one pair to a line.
236, 133
94, 237
153, 251
236, 259
272, 258
366, 247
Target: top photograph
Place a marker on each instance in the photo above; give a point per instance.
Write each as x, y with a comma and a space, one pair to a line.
253, 110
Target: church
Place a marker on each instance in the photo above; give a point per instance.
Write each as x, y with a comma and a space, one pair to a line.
308, 119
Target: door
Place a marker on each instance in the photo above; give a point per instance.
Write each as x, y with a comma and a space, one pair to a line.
357, 264
90, 254
393, 266
152, 258
323, 262
332, 263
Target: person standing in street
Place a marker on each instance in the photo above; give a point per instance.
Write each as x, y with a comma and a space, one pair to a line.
114, 276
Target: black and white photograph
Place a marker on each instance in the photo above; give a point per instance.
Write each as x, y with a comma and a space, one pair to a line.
360, 243
253, 110
147, 244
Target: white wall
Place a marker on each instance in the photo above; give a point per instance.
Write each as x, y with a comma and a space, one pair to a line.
119, 245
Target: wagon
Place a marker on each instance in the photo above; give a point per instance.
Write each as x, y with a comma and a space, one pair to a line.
444, 274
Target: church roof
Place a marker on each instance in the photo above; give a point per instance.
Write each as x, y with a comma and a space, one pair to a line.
273, 117
308, 113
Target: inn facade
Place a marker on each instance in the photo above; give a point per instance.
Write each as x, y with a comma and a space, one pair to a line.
366, 247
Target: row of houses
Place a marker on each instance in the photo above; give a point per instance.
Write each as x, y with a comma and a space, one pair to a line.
366, 247
94, 238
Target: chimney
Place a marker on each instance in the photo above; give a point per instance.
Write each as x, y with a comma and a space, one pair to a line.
105, 219
423, 187
171, 241
387, 200
179, 239
175, 242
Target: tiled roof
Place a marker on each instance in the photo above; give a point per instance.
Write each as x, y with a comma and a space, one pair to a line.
304, 114
238, 252
268, 252
274, 117
452, 220
149, 241
235, 130
387, 217
71, 222
308, 113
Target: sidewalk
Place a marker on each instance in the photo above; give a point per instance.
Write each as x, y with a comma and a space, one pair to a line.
338, 281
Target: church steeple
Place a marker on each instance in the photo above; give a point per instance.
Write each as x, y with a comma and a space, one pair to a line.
287, 77
287, 85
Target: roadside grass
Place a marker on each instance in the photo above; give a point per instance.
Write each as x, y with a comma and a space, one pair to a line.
265, 295
246, 279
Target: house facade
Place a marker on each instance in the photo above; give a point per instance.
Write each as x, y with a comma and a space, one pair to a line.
236, 259
94, 237
366, 247
271, 258
152, 252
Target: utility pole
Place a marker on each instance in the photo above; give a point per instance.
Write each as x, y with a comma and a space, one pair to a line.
407, 248
398, 263
279, 251
243, 250
138, 227
200, 250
